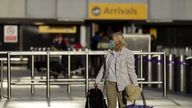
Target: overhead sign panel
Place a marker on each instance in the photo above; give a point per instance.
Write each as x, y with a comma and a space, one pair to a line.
57, 29
116, 11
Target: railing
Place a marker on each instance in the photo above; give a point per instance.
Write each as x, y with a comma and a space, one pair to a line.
69, 81
162, 82
1, 77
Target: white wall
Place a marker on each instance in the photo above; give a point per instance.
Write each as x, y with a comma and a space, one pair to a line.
77, 9
41, 9
12, 8
71, 9
170, 9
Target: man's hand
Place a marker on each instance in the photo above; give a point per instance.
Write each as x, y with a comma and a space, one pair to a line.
95, 84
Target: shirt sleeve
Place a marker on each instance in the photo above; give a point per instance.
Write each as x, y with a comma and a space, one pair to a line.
131, 68
100, 74
101, 71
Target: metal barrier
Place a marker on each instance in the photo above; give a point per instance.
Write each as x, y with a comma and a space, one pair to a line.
4, 60
32, 83
1, 83
159, 67
170, 72
149, 69
149, 82
180, 76
189, 75
69, 81
183, 74
2, 75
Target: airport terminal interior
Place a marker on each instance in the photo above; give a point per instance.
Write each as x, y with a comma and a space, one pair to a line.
52, 50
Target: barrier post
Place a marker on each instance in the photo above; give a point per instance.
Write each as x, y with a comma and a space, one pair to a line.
87, 72
48, 76
69, 72
32, 75
159, 70
171, 72
164, 77
149, 69
141, 75
182, 74
1, 91
9, 75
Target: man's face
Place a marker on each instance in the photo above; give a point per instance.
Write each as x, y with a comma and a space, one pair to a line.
59, 39
101, 34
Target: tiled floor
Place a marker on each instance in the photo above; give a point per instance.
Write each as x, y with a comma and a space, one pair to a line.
22, 98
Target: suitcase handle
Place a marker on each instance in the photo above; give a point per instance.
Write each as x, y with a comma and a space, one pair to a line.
143, 98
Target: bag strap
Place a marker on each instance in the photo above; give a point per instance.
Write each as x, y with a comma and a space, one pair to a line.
143, 98
87, 100
104, 74
104, 70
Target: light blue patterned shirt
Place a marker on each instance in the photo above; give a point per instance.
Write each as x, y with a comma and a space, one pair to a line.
112, 68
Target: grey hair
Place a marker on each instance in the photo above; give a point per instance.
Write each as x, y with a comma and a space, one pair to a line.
120, 38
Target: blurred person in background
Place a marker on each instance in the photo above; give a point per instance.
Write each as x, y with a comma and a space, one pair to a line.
96, 39
95, 60
59, 65
58, 43
153, 43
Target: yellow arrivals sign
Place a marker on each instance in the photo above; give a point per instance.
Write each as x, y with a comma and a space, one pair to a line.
57, 29
118, 11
